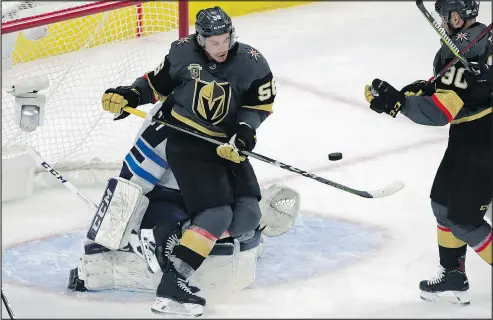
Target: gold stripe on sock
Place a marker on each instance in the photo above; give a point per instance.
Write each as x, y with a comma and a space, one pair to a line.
197, 242
447, 239
484, 250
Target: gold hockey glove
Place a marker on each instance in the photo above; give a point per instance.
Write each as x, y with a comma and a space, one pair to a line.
115, 99
229, 152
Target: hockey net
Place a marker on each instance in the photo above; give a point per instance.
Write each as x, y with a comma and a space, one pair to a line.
88, 47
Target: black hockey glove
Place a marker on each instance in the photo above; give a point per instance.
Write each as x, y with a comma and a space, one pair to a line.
480, 85
483, 77
384, 98
246, 137
114, 99
420, 88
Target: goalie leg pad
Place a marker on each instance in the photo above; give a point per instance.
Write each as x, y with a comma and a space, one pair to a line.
102, 269
280, 206
121, 210
229, 268
96, 267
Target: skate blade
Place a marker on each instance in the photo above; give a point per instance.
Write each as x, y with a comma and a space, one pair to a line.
455, 297
149, 255
164, 306
137, 246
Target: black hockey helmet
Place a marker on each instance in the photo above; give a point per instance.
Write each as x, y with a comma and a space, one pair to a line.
213, 22
467, 9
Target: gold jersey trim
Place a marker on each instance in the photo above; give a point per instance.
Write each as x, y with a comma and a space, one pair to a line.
263, 107
450, 100
196, 126
474, 116
157, 95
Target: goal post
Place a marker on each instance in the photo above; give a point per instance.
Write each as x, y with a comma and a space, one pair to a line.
82, 48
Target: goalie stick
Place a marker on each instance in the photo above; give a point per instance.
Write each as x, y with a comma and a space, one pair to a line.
386, 191
7, 306
60, 178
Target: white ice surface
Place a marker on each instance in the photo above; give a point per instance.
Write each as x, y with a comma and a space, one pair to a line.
322, 55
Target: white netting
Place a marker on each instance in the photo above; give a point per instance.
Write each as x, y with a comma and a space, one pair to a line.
12, 10
83, 57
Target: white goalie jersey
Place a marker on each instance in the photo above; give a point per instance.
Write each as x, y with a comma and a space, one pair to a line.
146, 163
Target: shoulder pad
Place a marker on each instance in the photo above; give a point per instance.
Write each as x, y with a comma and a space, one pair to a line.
182, 48
463, 38
249, 52
253, 59
184, 42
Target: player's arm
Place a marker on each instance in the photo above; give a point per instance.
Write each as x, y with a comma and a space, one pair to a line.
436, 110
156, 84
149, 88
441, 106
255, 107
257, 101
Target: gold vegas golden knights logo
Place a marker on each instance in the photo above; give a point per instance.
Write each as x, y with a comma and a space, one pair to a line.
211, 100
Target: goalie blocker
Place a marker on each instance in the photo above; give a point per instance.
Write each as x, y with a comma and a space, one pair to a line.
113, 257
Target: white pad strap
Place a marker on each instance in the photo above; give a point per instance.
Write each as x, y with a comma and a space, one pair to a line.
280, 206
121, 210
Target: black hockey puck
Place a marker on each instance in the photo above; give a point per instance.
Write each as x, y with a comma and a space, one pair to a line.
335, 156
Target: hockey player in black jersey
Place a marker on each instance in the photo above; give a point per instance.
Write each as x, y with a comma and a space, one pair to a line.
463, 187
224, 89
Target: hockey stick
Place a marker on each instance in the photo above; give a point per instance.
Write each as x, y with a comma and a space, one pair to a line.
446, 39
388, 190
466, 49
60, 178
7, 306
454, 60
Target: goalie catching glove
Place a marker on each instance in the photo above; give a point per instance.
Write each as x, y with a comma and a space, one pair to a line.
280, 206
244, 140
115, 99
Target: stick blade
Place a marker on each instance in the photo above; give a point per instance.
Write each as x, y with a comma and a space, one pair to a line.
386, 191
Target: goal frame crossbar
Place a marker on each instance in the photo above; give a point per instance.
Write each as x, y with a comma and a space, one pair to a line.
43, 19
83, 168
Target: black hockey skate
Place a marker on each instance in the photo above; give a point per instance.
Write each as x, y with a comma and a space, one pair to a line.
74, 283
450, 285
165, 253
158, 258
174, 296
